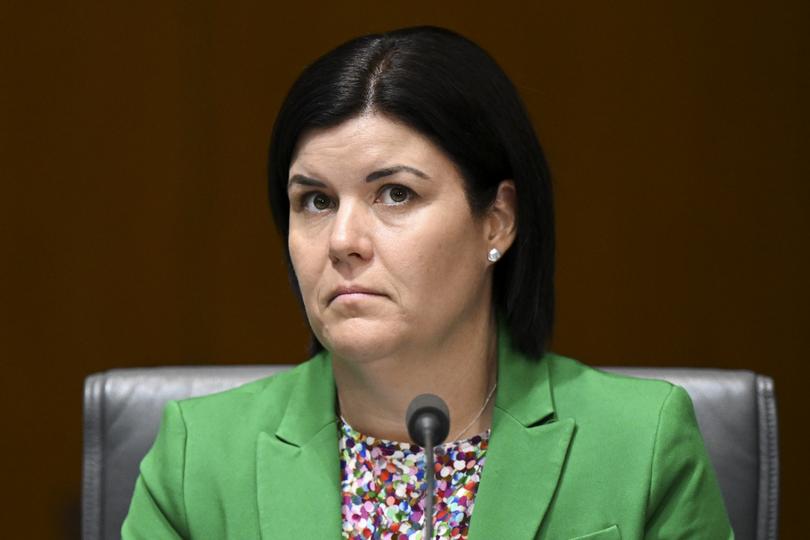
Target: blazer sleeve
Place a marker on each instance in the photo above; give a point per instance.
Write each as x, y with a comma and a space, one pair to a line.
157, 510
684, 499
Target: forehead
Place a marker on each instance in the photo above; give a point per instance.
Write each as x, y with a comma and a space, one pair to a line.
367, 142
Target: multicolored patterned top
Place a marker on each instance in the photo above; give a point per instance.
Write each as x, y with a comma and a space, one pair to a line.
382, 483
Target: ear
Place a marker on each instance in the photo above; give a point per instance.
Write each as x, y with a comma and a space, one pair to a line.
501, 217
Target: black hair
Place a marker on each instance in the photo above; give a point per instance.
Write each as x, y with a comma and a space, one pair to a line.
449, 89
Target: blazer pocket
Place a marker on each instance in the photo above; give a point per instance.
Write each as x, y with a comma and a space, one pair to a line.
611, 533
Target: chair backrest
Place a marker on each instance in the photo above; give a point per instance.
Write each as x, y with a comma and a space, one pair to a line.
736, 411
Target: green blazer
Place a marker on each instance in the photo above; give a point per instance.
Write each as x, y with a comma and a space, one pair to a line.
574, 453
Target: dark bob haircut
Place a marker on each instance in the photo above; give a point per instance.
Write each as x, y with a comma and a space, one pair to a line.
450, 90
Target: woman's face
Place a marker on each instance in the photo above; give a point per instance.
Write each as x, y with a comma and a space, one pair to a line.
386, 250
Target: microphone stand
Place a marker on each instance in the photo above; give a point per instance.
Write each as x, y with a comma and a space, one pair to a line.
430, 487
428, 421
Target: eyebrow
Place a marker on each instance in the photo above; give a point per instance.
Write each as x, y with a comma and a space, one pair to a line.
376, 175
304, 181
388, 171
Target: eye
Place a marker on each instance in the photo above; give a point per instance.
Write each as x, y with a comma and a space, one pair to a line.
395, 194
316, 202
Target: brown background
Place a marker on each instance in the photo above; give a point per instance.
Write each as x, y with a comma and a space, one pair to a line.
135, 229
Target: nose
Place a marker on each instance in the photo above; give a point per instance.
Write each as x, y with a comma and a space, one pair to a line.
350, 238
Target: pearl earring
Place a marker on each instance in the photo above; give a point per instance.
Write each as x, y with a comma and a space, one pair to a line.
493, 255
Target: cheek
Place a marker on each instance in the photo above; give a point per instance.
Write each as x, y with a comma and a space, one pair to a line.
438, 256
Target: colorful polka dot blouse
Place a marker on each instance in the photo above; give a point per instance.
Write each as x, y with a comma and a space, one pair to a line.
382, 483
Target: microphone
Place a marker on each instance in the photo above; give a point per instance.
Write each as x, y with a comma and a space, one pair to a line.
428, 421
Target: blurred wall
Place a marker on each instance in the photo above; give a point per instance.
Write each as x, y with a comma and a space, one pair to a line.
135, 229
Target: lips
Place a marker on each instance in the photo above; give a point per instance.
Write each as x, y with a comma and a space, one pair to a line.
351, 289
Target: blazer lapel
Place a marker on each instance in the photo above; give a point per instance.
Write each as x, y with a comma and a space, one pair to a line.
526, 453
298, 467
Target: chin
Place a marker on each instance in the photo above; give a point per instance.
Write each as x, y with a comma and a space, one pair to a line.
361, 340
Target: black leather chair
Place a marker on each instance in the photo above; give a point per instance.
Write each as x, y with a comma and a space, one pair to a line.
736, 411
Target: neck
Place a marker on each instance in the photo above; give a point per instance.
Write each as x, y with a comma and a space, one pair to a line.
462, 370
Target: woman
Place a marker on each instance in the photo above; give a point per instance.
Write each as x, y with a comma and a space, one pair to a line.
416, 205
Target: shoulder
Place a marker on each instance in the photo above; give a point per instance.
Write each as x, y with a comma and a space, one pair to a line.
594, 396
568, 374
257, 404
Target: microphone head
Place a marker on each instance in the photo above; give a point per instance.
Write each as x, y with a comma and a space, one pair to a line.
428, 417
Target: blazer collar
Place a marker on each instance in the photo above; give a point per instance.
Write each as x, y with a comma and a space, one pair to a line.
298, 465
311, 405
527, 449
524, 384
